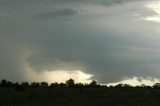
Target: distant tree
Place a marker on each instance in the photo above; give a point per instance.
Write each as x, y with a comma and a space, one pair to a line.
9, 84
3, 83
119, 86
35, 84
80, 85
25, 84
70, 83
104, 86
156, 85
62, 85
44, 84
54, 84
143, 86
18, 87
127, 86
16, 84
111, 86
123, 86
93, 83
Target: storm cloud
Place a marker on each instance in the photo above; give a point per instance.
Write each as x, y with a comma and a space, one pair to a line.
105, 38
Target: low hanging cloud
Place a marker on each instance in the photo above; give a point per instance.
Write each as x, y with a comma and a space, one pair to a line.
110, 43
112, 2
62, 13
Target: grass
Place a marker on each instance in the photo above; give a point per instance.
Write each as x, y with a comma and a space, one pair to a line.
80, 97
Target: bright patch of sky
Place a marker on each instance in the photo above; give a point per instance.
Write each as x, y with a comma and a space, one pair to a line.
137, 81
154, 6
62, 76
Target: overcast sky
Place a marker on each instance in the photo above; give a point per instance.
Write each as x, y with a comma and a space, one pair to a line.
105, 40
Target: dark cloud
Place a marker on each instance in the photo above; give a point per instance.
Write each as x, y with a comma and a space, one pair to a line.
105, 46
61, 13
112, 2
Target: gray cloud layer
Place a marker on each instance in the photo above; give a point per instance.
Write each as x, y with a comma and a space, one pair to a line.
70, 35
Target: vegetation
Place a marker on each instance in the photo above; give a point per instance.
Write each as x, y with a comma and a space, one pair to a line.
77, 94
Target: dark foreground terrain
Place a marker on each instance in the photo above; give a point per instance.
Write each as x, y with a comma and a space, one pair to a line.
78, 95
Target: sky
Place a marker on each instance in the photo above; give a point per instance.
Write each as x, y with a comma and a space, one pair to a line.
106, 40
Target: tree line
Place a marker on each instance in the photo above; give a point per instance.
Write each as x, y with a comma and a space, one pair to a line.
67, 84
